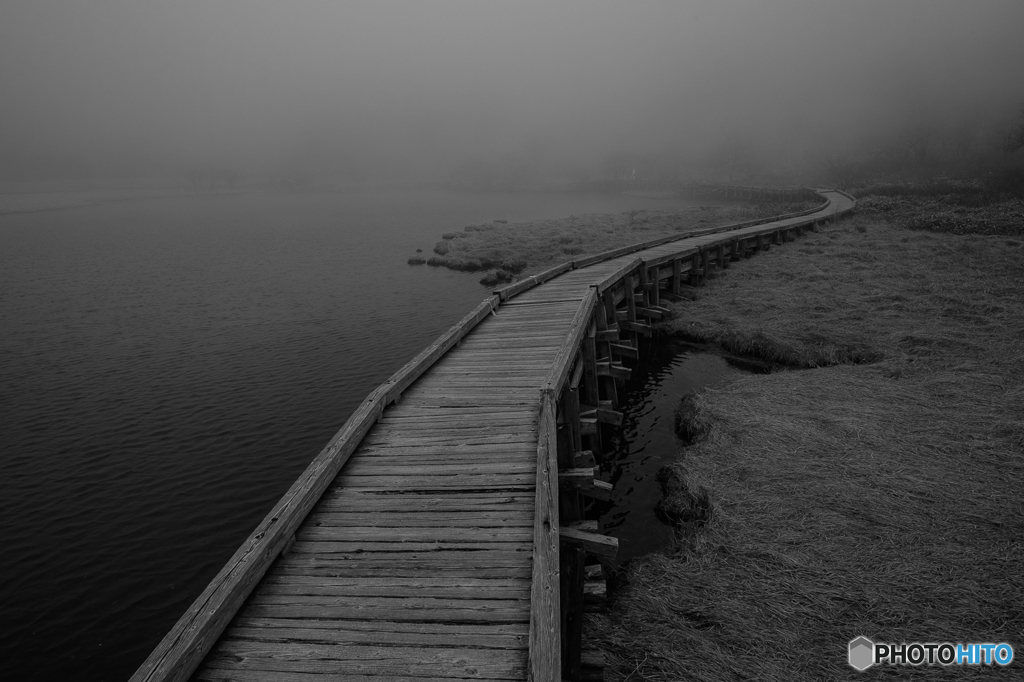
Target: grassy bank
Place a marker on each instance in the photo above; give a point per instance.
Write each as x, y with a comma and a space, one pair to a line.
504, 250
877, 491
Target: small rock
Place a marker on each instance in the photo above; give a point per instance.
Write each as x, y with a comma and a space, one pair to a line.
442, 248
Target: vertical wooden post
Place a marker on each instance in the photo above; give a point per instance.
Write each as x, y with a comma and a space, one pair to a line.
572, 559
572, 575
706, 264
677, 273
655, 279
644, 289
604, 349
695, 270
609, 309
628, 291
589, 386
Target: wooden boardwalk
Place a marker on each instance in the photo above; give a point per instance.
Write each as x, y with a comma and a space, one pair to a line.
419, 560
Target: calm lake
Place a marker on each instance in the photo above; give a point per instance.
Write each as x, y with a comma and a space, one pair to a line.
169, 366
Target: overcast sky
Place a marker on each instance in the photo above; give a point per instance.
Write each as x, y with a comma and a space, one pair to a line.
153, 87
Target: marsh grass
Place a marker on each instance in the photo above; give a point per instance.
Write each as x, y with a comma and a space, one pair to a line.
877, 494
507, 250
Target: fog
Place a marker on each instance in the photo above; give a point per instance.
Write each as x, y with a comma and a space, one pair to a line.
439, 91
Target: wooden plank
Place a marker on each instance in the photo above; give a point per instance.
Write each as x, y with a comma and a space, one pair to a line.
392, 662
476, 635
400, 534
464, 517
413, 369
614, 277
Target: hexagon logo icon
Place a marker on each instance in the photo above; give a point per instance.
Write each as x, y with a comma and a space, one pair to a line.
862, 653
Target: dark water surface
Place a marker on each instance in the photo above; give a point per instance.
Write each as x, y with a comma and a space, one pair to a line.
168, 367
668, 372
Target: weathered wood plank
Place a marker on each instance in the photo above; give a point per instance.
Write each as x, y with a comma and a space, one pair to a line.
461, 518
368, 660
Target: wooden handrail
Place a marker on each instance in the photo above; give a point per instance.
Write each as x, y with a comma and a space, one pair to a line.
567, 350
545, 664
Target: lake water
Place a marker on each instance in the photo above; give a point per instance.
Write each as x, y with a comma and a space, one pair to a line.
169, 366
647, 442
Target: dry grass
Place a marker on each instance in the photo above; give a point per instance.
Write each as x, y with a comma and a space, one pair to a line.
508, 249
879, 499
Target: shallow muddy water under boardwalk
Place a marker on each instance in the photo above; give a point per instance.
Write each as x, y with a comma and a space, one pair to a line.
647, 441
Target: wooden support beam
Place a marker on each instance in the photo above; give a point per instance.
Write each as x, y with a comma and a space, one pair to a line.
595, 596
695, 271
588, 426
637, 327
588, 352
734, 250
582, 482
570, 507
577, 374
655, 279
572, 563
630, 303
677, 273
608, 336
603, 415
601, 546
610, 369
651, 313
644, 286
625, 351
585, 459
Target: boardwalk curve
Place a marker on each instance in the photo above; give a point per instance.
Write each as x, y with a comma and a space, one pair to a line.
439, 535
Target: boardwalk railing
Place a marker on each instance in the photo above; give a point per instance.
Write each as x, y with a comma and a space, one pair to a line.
578, 394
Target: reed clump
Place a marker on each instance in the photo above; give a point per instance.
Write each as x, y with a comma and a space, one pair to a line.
877, 494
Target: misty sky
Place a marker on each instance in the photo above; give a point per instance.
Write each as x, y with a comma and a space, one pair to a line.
152, 88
